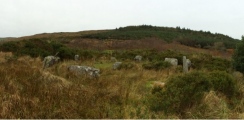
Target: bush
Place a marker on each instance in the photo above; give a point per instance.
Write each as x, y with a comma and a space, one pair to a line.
66, 53
184, 91
9, 47
87, 54
204, 61
224, 83
159, 65
126, 66
56, 45
181, 92
34, 52
238, 57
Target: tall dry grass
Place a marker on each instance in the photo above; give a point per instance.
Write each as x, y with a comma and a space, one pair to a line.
4, 55
27, 91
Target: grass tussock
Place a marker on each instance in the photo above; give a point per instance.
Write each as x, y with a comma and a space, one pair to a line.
213, 106
28, 91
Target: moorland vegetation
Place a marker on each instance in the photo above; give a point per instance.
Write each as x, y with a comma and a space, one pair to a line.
213, 88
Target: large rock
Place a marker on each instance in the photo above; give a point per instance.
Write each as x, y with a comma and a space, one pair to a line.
77, 57
113, 59
49, 61
84, 70
138, 58
172, 61
117, 65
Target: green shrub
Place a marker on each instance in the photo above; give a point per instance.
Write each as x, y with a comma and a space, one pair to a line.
126, 66
181, 92
204, 61
223, 82
159, 65
66, 53
56, 45
9, 47
184, 91
86, 54
238, 57
37, 47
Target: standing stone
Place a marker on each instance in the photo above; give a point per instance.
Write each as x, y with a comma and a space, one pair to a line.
117, 65
185, 65
138, 58
172, 61
77, 57
113, 59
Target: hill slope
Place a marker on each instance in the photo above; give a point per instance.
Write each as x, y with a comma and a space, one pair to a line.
211, 89
184, 36
131, 37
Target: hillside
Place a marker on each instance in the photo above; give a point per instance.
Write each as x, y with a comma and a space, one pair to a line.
146, 89
123, 38
184, 36
7, 38
27, 91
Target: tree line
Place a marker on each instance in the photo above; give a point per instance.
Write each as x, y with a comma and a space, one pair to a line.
188, 37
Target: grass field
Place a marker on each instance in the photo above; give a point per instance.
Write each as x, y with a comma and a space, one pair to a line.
27, 91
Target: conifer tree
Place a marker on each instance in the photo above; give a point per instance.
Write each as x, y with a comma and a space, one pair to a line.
238, 56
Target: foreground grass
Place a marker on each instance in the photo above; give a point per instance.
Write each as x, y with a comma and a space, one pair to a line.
27, 91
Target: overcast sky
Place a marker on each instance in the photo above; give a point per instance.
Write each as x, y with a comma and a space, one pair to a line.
29, 17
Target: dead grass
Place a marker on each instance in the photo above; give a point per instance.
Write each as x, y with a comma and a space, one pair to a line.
216, 106
27, 91
149, 43
3, 56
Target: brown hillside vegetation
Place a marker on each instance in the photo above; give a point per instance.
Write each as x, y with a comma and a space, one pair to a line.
58, 35
149, 89
61, 34
27, 91
4, 56
150, 43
